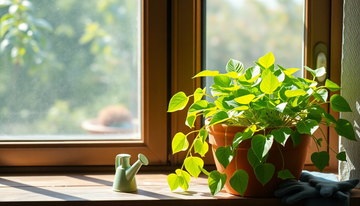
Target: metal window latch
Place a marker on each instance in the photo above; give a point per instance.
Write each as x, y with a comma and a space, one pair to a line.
320, 54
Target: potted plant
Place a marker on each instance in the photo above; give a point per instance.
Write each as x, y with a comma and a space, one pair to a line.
113, 119
260, 122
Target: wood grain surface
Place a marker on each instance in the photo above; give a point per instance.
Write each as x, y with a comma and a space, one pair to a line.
96, 189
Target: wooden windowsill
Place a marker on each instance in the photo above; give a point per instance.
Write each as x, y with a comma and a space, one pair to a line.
79, 189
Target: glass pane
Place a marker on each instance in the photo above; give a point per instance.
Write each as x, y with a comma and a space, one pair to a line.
248, 29
70, 68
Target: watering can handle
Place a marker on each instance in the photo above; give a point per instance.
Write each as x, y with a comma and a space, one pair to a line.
118, 159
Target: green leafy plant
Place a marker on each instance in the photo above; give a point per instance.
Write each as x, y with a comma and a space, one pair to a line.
21, 32
262, 96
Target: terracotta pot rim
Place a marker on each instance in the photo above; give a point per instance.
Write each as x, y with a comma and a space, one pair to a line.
207, 121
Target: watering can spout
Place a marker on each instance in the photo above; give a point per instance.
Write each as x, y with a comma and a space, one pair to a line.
133, 170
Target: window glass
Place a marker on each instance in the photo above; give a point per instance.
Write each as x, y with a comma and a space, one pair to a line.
248, 29
69, 69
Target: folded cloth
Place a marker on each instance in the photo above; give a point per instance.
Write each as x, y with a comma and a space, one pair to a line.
316, 188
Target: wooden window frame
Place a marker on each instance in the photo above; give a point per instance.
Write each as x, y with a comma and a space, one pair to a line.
75, 155
323, 24
172, 53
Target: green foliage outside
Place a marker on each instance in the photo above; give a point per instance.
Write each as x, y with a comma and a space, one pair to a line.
245, 29
71, 59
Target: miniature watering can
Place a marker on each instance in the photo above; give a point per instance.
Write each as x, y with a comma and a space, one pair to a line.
124, 180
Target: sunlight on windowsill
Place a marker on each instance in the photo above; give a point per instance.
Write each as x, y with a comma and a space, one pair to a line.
78, 188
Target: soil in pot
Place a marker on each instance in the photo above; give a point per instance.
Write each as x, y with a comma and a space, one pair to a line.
294, 159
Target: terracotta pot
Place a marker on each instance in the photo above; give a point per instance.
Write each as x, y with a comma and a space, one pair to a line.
93, 127
294, 158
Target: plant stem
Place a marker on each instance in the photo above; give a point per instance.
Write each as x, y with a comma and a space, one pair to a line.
327, 141
210, 96
282, 156
189, 151
315, 140
236, 150
191, 132
327, 102
226, 136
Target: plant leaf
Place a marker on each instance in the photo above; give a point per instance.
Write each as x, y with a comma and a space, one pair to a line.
295, 137
246, 99
233, 75
248, 132
216, 182
222, 80
264, 172
203, 134
308, 126
278, 136
201, 147
267, 60
13, 9
5, 3
237, 140
280, 75
206, 73
259, 105
174, 181
318, 141
224, 155
322, 95
344, 128
265, 73
179, 143
252, 74
314, 114
186, 177
290, 71
5, 26
190, 120
331, 85
200, 106
41, 23
280, 107
234, 66
317, 72
339, 104
209, 113
320, 71
295, 93
239, 137
329, 118
241, 108
261, 145
218, 117
178, 102
194, 165
285, 174
320, 159
239, 181
253, 159
281, 135
269, 84
198, 94
341, 156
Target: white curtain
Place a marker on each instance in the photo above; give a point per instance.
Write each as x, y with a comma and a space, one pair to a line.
350, 82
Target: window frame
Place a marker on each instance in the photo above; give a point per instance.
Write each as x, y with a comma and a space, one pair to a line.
172, 52
154, 131
323, 24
